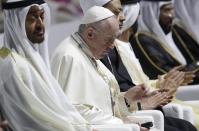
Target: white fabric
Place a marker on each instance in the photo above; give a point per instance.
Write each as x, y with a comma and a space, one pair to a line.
161, 3
131, 63
149, 21
31, 98
131, 13
188, 93
187, 12
82, 83
15, 35
179, 111
173, 110
86, 4
157, 116
95, 14
75, 68
31, 102
118, 127
175, 48
139, 77
188, 114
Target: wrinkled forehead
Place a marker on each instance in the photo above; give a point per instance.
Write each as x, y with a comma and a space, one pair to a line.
35, 9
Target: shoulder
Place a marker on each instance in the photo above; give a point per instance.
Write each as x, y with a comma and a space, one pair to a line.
17, 61
147, 39
11, 63
5, 63
145, 36
4, 52
67, 47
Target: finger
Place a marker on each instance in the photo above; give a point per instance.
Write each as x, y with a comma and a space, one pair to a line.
163, 90
189, 75
179, 80
177, 68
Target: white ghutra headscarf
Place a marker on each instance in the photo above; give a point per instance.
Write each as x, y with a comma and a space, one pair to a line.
187, 12
30, 97
15, 36
149, 21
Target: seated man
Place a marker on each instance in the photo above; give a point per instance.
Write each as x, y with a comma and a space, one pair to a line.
30, 97
127, 69
94, 81
184, 30
86, 81
156, 51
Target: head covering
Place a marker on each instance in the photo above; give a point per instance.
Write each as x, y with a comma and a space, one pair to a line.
131, 13
164, 3
87, 4
186, 11
161, 2
34, 97
11, 4
95, 14
128, 2
149, 21
15, 36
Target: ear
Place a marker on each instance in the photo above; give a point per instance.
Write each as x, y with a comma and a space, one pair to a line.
90, 33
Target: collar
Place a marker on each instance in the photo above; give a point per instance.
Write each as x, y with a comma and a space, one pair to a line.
84, 47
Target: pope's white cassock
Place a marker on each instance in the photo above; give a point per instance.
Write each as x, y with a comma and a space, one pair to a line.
30, 98
87, 87
88, 83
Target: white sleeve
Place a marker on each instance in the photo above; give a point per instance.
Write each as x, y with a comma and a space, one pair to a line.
28, 104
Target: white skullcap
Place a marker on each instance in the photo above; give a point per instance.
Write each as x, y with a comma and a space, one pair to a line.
165, 3
95, 14
87, 4
131, 13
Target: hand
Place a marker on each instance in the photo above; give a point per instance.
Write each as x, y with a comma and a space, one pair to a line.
135, 93
3, 124
156, 99
188, 78
175, 75
172, 80
151, 93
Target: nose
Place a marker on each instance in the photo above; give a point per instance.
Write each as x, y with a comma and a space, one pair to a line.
121, 17
171, 14
39, 23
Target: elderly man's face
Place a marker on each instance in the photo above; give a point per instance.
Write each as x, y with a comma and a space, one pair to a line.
116, 7
101, 39
35, 25
166, 17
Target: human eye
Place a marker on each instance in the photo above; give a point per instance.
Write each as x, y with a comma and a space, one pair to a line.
42, 16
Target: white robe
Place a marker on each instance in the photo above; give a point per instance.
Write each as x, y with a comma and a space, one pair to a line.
29, 103
86, 87
133, 66
175, 49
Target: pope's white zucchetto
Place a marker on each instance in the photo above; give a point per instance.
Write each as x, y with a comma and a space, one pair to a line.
95, 14
87, 4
